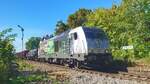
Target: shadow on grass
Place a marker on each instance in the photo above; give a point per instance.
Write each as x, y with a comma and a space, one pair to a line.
121, 65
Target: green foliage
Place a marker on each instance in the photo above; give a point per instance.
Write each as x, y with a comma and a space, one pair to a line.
61, 27
28, 79
23, 65
144, 61
33, 43
126, 24
78, 18
29, 75
74, 20
6, 56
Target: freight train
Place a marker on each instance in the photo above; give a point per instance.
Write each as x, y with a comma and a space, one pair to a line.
75, 47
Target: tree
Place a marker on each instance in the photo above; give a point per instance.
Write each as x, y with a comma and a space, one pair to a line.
61, 27
78, 18
139, 12
6, 56
33, 43
126, 24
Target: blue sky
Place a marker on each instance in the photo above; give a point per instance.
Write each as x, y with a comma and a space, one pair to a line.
39, 17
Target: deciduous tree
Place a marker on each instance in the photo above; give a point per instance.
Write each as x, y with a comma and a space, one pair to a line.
78, 18
61, 27
126, 24
33, 43
6, 56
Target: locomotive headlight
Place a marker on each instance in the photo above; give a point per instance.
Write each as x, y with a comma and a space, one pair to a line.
90, 50
106, 51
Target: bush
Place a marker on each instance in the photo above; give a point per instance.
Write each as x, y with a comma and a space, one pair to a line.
6, 56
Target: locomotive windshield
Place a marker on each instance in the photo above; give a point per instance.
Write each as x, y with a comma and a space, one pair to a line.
95, 38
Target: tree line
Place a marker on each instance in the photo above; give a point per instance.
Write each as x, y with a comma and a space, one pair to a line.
126, 24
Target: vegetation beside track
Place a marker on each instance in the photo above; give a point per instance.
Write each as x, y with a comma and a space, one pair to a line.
28, 74
37, 72
17, 71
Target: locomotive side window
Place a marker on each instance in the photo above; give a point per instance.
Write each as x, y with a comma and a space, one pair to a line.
56, 46
75, 36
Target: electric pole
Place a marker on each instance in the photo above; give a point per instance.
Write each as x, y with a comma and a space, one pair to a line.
22, 38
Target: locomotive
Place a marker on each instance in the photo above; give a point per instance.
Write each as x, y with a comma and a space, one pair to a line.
82, 46
77, 47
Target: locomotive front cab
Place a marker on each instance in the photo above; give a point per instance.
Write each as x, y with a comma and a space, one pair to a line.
97, 46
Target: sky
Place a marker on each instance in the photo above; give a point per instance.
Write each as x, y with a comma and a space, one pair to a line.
39, 17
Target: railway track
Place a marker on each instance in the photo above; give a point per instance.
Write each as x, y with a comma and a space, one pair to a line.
119, 75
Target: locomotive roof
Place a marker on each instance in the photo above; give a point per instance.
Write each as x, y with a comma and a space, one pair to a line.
61, 36
92, 29
86, 29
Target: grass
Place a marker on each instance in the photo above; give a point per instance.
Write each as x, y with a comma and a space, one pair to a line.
33, 76
23, 65
143, 61
132, 62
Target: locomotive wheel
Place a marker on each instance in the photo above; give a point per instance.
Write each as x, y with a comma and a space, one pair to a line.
50, 61
77, 64
62, 62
